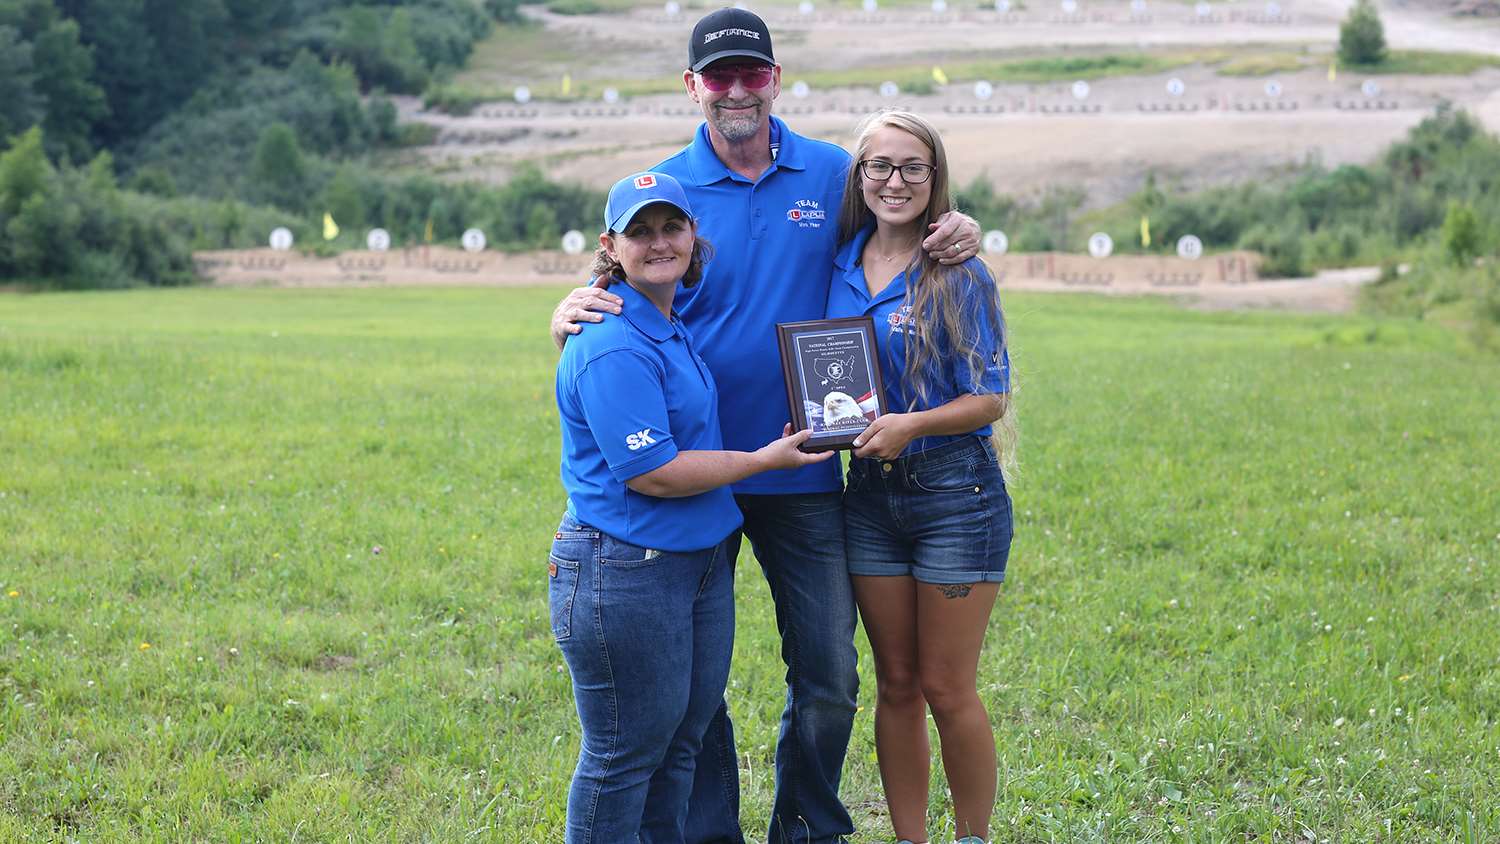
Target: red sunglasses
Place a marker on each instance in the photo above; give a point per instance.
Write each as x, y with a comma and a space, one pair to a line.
752, 77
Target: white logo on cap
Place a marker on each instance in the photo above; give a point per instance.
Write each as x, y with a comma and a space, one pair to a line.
646, 181
748, 33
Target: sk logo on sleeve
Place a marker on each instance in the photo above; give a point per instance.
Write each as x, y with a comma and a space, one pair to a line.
639, 440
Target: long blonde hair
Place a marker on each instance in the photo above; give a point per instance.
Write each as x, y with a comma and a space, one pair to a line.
937, 296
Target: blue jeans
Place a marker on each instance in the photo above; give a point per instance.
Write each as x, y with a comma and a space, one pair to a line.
647, 636
799, 541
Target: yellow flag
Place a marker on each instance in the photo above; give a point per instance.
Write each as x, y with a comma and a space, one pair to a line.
330, 228
567, 84
939, 76
429, 230
1333, 71
1145, 231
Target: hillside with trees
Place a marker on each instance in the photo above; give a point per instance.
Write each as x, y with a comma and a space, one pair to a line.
135, 131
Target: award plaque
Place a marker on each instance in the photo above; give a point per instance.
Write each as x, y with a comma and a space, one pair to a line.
832, 377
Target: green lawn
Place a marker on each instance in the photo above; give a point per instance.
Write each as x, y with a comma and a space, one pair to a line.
272, 569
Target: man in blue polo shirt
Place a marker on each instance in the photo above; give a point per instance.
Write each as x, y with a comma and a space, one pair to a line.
768, 200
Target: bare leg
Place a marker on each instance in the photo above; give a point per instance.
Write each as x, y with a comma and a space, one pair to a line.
888, 606
951, 622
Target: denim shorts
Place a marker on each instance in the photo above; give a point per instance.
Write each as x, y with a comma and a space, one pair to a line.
940, 516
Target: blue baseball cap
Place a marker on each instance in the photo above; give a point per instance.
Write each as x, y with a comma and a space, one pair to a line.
632, 193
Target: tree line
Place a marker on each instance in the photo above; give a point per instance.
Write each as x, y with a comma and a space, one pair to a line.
1431, 202
134, 131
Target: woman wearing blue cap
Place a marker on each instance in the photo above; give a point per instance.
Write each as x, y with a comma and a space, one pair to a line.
640, 569
927, 517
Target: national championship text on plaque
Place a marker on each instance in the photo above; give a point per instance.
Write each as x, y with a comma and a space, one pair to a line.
832, 378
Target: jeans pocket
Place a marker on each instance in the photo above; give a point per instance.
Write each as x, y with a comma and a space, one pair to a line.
562, 590
958, 476
623, 555
854, 478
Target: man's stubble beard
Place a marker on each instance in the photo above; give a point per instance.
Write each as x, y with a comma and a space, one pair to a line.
735, 129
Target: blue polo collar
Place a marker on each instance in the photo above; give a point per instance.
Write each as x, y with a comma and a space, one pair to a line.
848, 254
642, 313
847, 260
706, 168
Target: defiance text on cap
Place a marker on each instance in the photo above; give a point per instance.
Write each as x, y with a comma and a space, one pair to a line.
728, 33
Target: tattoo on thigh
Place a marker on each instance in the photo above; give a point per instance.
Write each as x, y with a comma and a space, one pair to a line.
956, 590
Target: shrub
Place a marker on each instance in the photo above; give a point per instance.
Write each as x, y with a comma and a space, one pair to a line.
74, 228
505, 11
1460, 234
1280, 247
278, 175
1362, 35
24, 172
154, 179
991, 210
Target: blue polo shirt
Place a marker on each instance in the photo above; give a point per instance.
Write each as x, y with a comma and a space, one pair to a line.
774, 240
849, 295
632, 393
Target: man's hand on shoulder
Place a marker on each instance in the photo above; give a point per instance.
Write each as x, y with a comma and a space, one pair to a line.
585, 304
954, 239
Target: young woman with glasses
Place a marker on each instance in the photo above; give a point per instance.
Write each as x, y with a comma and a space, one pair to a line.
926, 512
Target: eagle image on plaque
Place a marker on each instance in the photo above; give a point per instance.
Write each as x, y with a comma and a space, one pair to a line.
832, 378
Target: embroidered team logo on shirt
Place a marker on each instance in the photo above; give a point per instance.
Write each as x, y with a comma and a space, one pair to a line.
900, 320
807, 214
639, 440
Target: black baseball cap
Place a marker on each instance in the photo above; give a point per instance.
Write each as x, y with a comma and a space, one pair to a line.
728, 33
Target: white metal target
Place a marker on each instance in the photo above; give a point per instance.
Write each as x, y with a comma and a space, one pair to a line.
473, 240
800, 89
611, 95
1273, 10
889, 89
378, 240
1370, 88
983, 90
573, 242
1203, 9
995, 242
281, 238
805, 7
672, 8
1070, 7
1101, 245
1138, 6
1080, 90
1002, 6
1273, 89
1189, 247
1176, 87
939, 6
523, 94
871, 6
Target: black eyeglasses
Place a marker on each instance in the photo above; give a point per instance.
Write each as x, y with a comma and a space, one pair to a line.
880, 171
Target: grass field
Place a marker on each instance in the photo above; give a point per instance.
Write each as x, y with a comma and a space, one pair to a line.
272, 569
